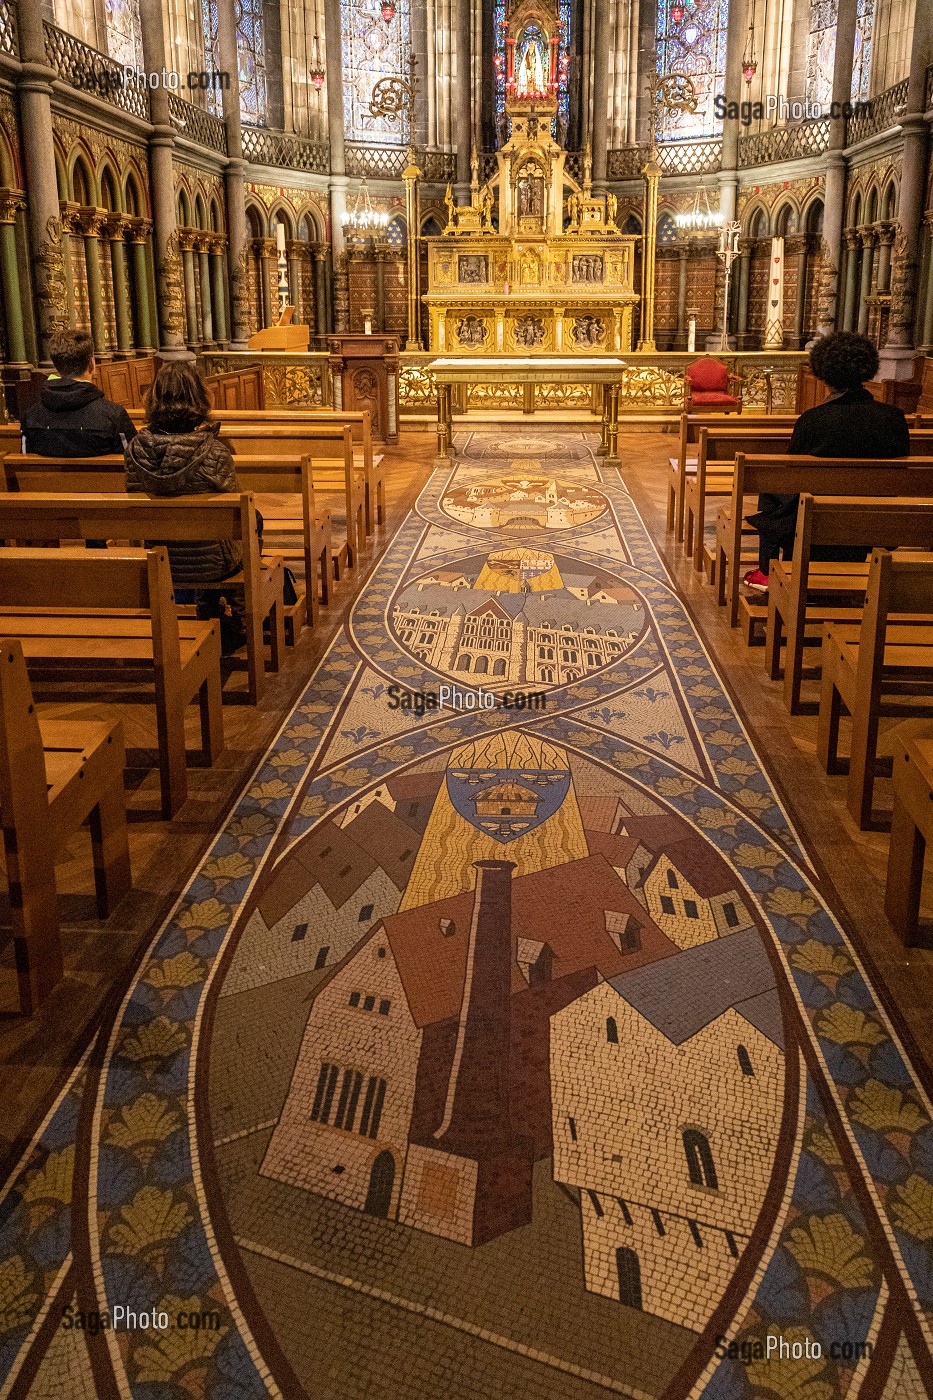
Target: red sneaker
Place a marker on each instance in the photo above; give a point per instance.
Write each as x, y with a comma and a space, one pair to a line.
756, 581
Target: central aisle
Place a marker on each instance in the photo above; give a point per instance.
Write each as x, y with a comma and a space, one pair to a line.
492, 1052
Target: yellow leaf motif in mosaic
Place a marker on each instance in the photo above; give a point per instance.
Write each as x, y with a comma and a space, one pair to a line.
793, 904
206, 913
736, 767
182, 970
231, 867
717, 818
313, 806
751, 800
251, 826
912, 1207
787, 1378
302, 731
822, 1145
675, 787
157, 1040
149, 1119
290, 758
271, 790
828, 1245
53, 1180
702, 692
756, 857
821, 958
175, 1350
878, 1106
18, 1295
848, 1026
151, 1218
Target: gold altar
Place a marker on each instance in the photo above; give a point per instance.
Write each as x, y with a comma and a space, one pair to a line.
553, 275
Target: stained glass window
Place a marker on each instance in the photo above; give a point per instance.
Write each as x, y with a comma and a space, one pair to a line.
861, 62
373, 48
211, 52
251, 61
124, 38
821, 51
691, 39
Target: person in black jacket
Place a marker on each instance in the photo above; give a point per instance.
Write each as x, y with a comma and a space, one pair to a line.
74, 419
849, 424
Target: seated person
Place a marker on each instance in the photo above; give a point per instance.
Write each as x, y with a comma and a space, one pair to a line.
180, 453
849, 424
73, 418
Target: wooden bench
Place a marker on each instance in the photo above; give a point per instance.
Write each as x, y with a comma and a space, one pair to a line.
716, 449
41, 518
55, 775
120, 620
821, 476
681, 464
337, 469
805, 593
268, 477
911, 829
877, 669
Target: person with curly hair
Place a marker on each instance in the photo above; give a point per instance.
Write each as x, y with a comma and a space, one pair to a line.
849, 424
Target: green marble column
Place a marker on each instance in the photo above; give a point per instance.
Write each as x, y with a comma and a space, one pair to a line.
121, 305
90, 231
9, 274
853, 246
217, 282
204, 273
191, 306
141, 290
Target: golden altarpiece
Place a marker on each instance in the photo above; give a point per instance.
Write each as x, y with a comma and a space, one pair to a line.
554, 275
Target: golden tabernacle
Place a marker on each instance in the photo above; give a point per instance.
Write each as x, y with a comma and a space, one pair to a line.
551, 274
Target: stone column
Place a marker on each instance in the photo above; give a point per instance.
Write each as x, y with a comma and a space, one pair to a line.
294, 251
10, 203
234, 178
267, 256
320, 291
835, 191
45, 232
897, 356
886, 234
191, 306
217, 291
139, 232
926, 338
162, 184
91, 223
380, 255
733, 92
463, 98
683, 253
869, 238
204, 270
599, 135
853, 257
333, 49
115, 227
741, 317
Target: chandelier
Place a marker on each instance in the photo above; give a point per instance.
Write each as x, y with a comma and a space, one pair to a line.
363, 221
697, 219
749, 61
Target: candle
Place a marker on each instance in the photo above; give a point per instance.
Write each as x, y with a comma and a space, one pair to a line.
280, 237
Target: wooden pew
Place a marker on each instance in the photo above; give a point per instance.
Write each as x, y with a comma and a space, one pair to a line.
337, 470
877, 669
821, 476
55, 775
803, 592
690, 425
120, 618
911, 829
33, 516
272, 476
716, 449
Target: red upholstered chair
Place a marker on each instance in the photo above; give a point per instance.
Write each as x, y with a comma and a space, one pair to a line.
706, 385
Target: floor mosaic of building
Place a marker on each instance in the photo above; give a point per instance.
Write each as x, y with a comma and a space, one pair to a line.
492, 1052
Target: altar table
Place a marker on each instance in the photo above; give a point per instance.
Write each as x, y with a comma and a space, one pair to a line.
531, 369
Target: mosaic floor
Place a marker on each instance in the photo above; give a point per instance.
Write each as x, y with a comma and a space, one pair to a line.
493, 1053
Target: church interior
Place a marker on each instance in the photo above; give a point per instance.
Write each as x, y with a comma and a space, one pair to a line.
466, 699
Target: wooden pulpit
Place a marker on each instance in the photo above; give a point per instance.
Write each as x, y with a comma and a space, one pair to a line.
365, 373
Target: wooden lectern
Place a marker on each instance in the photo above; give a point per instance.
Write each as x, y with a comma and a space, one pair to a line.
365, 371
281, 335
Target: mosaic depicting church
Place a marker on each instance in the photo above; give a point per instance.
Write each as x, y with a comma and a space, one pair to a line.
518, 615
523, 998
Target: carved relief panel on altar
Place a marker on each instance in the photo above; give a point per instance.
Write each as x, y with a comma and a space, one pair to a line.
472, 268
529, 332
530, 201
588, 332
587, 267
472, 333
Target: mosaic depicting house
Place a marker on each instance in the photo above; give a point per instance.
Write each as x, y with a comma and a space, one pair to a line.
518, 616
439, 1061
524, 503
667, 1087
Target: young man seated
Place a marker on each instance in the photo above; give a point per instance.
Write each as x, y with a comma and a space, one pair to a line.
73, 418
849, 424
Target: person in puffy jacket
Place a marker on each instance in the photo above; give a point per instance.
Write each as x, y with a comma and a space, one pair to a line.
73, 418
180, 453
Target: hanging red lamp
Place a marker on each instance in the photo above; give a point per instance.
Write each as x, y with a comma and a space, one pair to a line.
388, 10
